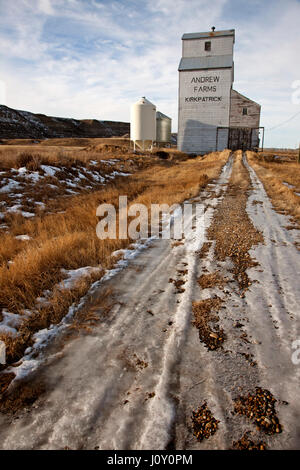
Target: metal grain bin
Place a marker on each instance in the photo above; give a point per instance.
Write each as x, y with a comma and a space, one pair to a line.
163, 128
143, 124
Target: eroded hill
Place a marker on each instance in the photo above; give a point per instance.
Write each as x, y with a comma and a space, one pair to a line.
15, 124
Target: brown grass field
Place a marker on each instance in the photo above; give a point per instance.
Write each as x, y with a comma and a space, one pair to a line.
65, 236
274, 173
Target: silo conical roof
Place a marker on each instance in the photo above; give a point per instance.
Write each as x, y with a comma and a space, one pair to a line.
161, 115
144, 100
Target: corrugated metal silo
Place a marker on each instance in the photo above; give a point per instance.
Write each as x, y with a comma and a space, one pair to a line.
143, 124
163, 128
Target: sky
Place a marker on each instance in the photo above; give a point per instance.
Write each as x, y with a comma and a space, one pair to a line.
93, 58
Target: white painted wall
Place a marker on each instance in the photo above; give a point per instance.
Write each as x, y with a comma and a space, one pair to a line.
202, 108
219, 46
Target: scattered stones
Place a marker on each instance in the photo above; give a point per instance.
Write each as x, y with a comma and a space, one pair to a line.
254, 203
245, 443
178, 243
212, 339
249, 358
211, 280
232, 229
204, 250
149, 395
260, 408
178, 283
140, 364
182, 272
204, 424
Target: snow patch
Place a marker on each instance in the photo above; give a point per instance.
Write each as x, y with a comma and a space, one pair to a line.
49, 170
23, 237
73, 275
291, 186
10, 186
10, 323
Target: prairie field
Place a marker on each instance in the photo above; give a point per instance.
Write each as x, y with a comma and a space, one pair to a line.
60, 234
281, 177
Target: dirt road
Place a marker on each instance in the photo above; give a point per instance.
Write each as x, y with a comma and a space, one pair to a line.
135, 379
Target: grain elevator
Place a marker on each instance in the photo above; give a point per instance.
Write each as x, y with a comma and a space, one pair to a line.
212, 116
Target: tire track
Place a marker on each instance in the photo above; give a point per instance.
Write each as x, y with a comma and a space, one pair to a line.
257, 351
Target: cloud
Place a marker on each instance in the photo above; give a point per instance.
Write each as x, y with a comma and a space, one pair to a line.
45, 7
2, 92
93, 58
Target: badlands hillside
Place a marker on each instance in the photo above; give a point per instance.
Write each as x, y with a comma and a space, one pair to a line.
15, 124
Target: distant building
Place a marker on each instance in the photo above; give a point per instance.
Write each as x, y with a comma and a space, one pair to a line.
212, 116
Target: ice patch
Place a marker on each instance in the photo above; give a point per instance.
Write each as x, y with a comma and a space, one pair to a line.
117, 173
291, 186
17, 209
23, 237
10, 323
73, 275
23, 169
34, 355
34, 176
40, 204
49, 170
11, 185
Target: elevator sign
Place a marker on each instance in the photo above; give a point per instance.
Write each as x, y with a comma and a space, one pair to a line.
202, 87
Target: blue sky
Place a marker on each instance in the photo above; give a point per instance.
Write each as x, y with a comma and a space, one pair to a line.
93, 58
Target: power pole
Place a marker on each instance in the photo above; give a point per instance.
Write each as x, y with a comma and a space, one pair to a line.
299, 154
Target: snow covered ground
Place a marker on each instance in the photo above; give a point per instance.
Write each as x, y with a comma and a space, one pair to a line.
22, 186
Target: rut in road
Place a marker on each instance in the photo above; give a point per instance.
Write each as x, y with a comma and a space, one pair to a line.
134, 381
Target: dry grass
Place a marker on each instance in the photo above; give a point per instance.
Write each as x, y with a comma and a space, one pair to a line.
21, 397
283, 154
72, 152
273, 174
207, 281
204, 423
37, 191
68, 240
33, 157
64, 141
